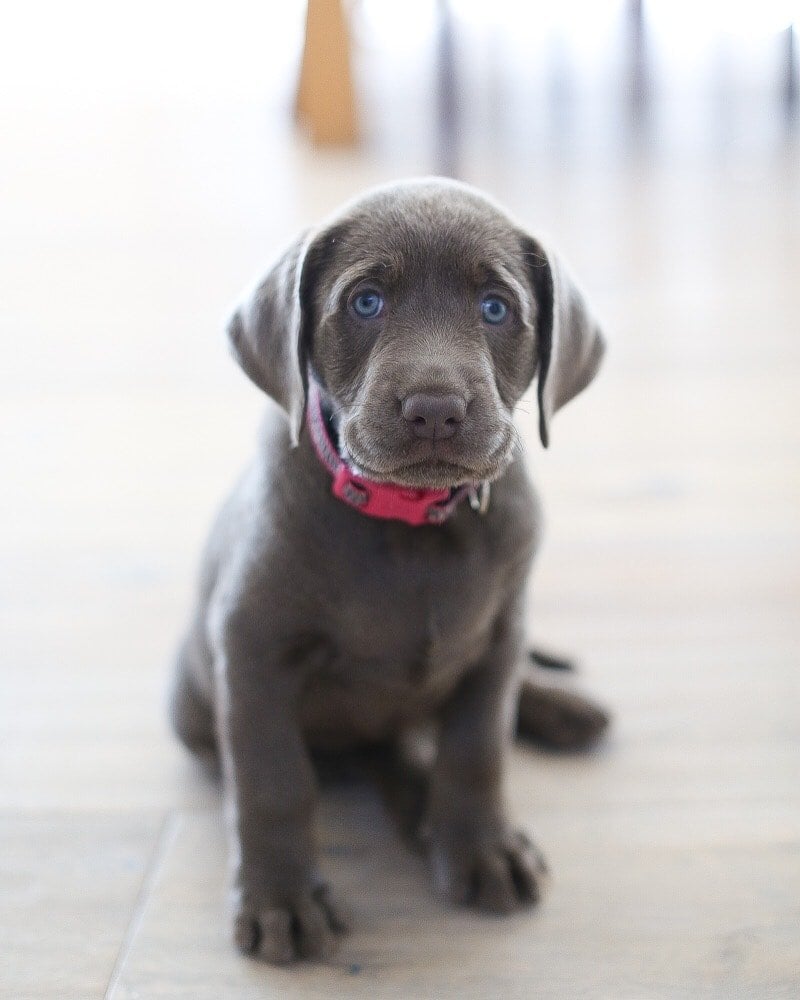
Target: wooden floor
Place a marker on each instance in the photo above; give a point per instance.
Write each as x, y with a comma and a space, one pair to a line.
671, 567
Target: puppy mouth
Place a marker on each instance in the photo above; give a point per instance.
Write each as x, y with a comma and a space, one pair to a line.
436, 471
433, 475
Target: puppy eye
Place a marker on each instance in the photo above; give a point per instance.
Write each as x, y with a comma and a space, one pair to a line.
367, 304
494, 310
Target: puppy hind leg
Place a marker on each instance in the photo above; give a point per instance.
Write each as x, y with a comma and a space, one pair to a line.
556, 717
190, 711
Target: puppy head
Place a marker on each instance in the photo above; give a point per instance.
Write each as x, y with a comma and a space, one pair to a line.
424, 312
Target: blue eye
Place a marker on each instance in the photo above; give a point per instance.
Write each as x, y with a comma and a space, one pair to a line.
494, 310
367, 304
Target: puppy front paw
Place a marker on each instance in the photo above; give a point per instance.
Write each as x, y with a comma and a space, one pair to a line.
500, 874
305, 924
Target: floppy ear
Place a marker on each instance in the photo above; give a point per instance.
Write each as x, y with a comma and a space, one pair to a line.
570, 346
266, 335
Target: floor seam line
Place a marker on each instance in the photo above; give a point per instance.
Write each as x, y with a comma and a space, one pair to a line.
164, 838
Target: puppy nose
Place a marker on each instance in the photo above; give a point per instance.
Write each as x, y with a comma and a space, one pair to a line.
434, 416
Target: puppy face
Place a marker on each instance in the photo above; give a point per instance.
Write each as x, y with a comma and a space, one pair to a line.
422, 333
424, 312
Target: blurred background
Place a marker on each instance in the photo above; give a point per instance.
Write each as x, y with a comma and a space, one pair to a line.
153, 159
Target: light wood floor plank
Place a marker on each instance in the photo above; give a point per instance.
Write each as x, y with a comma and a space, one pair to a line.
69, 886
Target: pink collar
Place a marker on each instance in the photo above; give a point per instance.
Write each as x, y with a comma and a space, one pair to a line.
387, 501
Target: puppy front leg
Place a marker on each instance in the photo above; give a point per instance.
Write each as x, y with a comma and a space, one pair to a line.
283, 907
478, 859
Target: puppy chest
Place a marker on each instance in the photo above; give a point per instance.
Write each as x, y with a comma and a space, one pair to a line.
357, 697
392, 663
416, 626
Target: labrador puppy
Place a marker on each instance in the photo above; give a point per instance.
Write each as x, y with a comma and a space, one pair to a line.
366, 577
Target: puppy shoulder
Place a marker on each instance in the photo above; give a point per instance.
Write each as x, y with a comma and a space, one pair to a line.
516, 514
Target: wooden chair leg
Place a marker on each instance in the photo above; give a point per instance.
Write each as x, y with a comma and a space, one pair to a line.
326, 103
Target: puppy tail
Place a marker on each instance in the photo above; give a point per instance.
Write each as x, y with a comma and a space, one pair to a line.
549, 661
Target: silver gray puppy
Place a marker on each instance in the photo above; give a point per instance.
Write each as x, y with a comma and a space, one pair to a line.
366, 577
